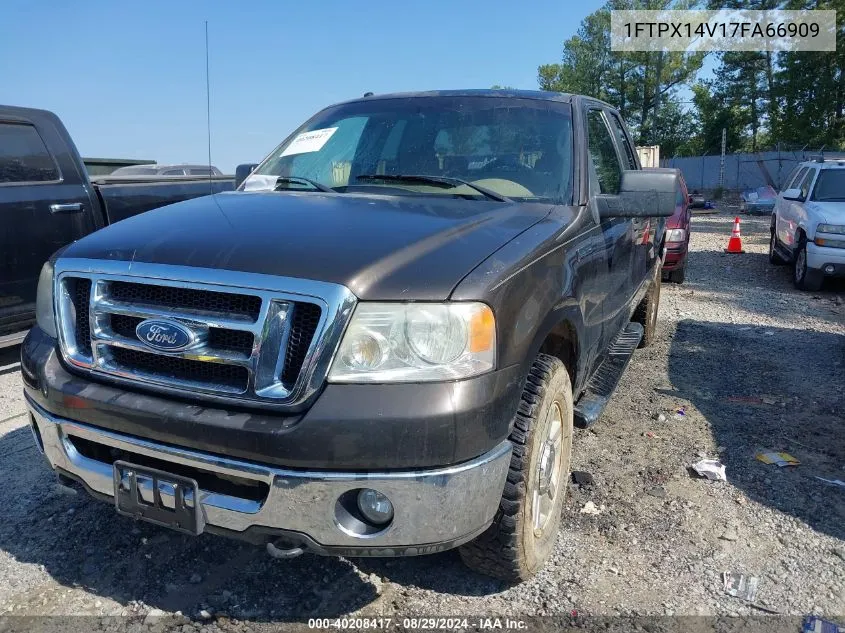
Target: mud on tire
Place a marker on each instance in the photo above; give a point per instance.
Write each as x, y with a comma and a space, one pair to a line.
646, 312
513, 548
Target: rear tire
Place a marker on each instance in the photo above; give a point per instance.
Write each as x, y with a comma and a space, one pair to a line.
524, 532
803, 277
646, 312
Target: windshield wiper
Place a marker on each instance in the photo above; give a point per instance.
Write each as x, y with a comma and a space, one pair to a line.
441, 181
282, 180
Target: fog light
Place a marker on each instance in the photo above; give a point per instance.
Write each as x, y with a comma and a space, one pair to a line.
375, 507
829, 269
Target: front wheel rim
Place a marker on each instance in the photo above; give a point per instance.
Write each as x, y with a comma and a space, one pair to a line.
800, 263
652, 308
550, 470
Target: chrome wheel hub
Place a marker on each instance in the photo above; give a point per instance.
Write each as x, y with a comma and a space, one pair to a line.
550, 469
799, 265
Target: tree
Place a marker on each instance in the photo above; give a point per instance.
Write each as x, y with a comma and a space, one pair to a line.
760, 98
714, 114
794, 98
639, 84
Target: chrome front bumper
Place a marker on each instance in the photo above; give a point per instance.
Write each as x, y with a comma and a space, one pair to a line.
433, 509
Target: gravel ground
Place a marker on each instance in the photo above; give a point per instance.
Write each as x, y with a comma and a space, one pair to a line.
758, 366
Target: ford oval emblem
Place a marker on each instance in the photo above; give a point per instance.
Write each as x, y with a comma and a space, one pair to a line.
167, 336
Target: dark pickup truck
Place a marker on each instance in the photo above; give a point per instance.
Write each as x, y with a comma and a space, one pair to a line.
48, 201
379, 346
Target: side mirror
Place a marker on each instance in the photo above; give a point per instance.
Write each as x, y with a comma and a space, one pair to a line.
793, 194
242, 171
646, 193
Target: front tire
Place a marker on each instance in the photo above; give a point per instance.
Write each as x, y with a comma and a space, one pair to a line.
646, 312
774, 256
803, 277
523, 534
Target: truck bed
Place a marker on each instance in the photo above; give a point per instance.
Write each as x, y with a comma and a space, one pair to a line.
123, 197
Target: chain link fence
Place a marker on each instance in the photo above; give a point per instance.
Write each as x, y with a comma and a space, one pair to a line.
744, 170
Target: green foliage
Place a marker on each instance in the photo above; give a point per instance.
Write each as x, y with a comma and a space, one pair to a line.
760, 99
641, 85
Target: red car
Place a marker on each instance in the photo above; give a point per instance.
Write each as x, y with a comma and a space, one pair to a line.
677, 237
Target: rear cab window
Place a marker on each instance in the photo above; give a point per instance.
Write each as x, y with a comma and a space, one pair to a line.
24, 157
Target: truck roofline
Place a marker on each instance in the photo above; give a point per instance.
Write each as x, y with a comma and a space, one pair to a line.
537, 95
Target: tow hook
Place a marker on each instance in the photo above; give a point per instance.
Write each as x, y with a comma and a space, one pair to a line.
276, 552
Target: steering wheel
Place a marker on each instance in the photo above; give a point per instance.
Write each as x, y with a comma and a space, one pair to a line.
506, 165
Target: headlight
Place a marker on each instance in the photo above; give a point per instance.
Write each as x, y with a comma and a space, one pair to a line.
831, 228
416, 342
44, 315
676, 235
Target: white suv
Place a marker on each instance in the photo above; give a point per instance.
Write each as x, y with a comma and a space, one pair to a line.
808, 223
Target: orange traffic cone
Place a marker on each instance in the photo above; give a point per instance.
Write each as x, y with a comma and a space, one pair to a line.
735, 243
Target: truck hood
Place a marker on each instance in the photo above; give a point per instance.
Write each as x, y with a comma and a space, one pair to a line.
380, 247
827, 212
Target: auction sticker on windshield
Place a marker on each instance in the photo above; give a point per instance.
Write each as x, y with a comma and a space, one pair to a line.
260, 182
309, 141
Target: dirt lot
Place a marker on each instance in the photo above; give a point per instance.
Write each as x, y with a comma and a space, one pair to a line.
758, 366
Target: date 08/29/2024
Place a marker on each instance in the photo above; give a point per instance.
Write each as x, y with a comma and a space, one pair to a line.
419, 624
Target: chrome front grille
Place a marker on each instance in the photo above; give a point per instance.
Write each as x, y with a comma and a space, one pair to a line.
263, 340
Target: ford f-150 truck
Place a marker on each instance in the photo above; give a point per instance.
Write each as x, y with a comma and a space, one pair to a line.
378, 346
48, 201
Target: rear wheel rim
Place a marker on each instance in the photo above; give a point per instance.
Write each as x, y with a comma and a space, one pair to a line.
549, 485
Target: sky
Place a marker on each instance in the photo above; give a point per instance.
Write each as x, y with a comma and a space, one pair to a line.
128, 78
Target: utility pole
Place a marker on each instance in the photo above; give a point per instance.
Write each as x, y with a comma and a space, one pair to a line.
722, 161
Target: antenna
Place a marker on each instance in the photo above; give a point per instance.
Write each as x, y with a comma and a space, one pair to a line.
208, 109
208, 129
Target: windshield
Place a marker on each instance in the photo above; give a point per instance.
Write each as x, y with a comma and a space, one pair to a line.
517, 148
830, 185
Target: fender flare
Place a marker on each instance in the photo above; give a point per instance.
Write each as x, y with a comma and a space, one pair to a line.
569, 315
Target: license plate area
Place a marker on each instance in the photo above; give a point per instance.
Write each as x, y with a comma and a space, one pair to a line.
158, 497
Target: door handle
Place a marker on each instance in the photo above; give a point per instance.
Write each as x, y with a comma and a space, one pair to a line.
68, 207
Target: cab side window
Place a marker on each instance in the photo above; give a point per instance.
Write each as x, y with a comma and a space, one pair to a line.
796, 179
791, 176
605, 170
623, 141
23, 155
805, 184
